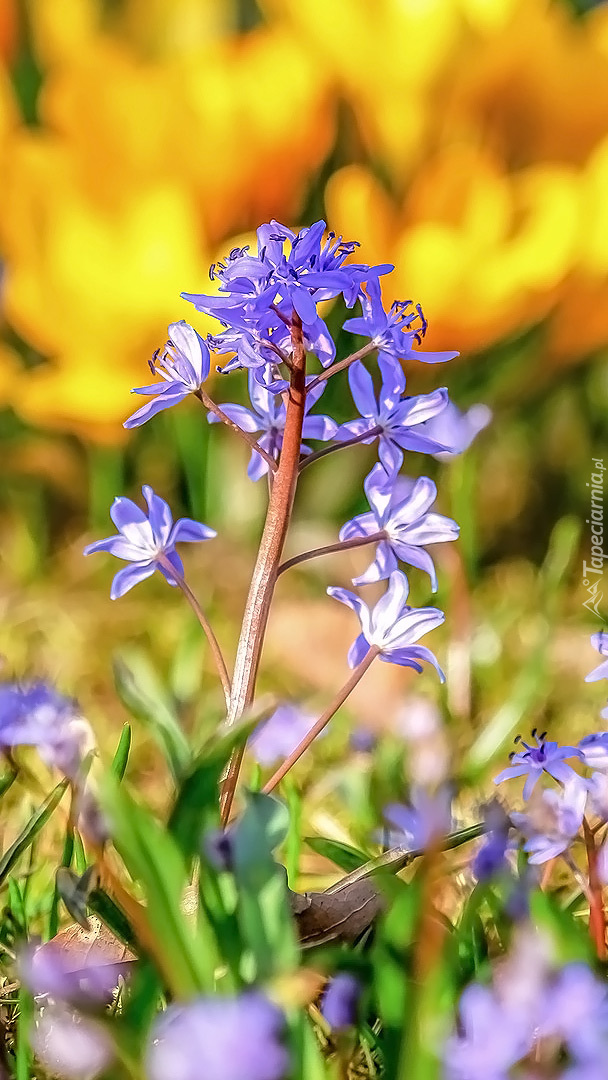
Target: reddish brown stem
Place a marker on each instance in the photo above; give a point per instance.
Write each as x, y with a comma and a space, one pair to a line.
257, 608
323, 720
329, 549
597, 915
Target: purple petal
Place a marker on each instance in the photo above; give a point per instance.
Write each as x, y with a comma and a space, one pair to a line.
358, 651
422, 496
129, 576
390, 454
362, 389
345, 596
413, 625
381, 568
159, 515
510, 772
319, 427
175, 561
188, 531
389, 607
410, 657
151, 408
418, 557
379, 486
530, 783
242, 417
303, 304
192, 347
393, 380
124, 512
423, 407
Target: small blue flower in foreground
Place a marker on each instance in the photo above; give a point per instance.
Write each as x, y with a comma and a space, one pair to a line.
406, 524
71, 1046
219, 1039
276, 737
490, 858
184, 364
399, 419
393, 332
489, 1040
534, 760
36, 715
426, 819
392, 626
552, 825
340, 1001
50, 970
147, 541
599, 642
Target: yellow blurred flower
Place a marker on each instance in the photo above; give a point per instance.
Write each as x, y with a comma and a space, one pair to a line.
471, 139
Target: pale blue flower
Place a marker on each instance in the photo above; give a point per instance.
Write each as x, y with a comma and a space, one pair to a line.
398, 418
219, 1038
147, 541
392, 626
425, 820
534, 760
599, 642
552, 825
184, 364
406, 523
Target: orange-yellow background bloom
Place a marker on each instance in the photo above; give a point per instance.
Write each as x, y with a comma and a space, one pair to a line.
466, 140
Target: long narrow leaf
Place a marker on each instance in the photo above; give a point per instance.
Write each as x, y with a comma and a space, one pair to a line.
147, 700
121, 757
30, 832
153, 859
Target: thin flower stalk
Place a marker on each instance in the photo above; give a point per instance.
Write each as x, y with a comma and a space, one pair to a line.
341, 365
257, 608
214, 645
597, 914
323, 720
366, 436
251, 441
330, 549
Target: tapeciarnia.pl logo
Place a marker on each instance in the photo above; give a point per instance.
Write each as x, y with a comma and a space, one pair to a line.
593, 571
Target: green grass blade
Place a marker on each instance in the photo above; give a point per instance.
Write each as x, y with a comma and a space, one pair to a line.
37, 822
121, 757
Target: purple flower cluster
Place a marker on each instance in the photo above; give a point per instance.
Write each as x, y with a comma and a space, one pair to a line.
259, 293
553, 822
219, 1039
35, 714
536, 1014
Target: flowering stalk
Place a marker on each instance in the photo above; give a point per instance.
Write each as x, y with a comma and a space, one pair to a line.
329, 549
597, 915
323, 720
257, 609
